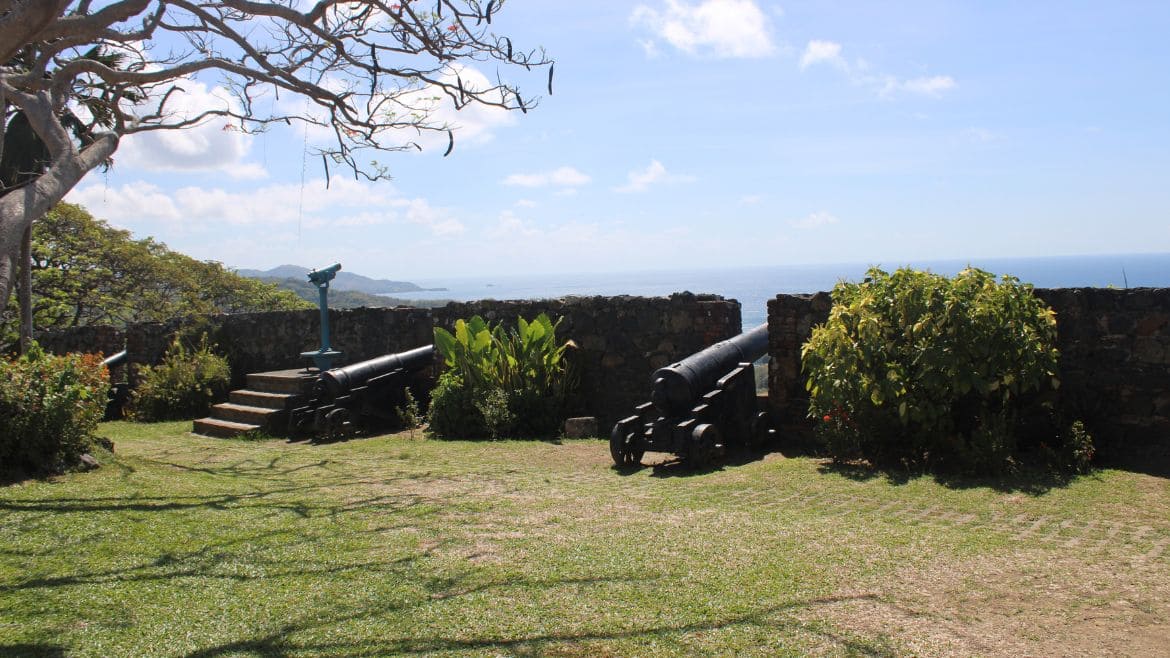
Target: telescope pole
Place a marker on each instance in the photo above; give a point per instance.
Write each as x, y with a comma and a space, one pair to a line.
323, 302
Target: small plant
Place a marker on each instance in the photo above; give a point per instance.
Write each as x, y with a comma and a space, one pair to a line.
183, 386
49, 408
916, 369
409, 414
1076, 450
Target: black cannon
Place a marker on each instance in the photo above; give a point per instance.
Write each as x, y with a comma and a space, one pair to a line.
699, 406
119, 393
365, 395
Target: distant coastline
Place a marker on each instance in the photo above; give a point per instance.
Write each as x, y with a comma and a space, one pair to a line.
753, 286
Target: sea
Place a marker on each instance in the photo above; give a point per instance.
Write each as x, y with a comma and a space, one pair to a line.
753, 286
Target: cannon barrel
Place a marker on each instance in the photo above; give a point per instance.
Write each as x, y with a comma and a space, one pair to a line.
339, 381
677, 387
115, 359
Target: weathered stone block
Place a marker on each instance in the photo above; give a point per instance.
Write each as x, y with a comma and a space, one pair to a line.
581, 427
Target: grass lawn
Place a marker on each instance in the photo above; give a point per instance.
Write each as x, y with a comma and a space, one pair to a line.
186, 546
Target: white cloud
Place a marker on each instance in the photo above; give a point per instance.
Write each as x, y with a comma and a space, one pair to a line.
139, 200
720, 28
344, 204
212, 145
858, 72
525, 203
932, 86
474, 125
814, 220
817, 52
509, 225
640, 180
980, 135
560, 177
750, 199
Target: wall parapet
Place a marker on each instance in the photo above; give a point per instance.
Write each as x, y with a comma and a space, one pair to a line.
620, 340
1114, 362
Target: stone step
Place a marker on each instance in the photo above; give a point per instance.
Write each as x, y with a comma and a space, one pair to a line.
295, 382
239, 413
252, 398
223, 429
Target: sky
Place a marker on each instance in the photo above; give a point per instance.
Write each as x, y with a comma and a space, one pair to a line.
717, 133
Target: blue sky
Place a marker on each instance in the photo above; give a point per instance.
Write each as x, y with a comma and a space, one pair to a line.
719, 133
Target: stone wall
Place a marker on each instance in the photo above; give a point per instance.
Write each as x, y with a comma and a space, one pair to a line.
1115, 362
620, 340
256, 342
790, 322
1115, 365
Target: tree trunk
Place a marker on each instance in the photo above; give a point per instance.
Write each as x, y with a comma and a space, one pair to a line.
26, 314
19, 208
22, 20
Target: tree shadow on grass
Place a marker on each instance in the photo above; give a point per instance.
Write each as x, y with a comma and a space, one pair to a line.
32, 651
679, 467
1029, 480
283, 641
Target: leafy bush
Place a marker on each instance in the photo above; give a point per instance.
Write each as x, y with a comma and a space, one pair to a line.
917, 369
49, 408
183, 386
500, 382
453, 412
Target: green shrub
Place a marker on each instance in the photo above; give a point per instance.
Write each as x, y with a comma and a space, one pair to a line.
453, 412
917, 369
500, 382
183, 386
49, 408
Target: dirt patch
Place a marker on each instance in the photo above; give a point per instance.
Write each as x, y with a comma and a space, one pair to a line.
1028, 603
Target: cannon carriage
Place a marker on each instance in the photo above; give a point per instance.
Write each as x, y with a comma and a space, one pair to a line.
363, 396
699, 407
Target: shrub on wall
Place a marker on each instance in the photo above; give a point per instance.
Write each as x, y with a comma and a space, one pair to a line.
500, 382
49, 408
183, 386
917, 369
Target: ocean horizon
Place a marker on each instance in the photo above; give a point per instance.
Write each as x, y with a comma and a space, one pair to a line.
754, 286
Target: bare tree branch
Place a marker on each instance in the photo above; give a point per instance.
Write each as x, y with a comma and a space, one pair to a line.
368, 69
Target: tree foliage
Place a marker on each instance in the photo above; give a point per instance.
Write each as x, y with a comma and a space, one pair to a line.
374, 73
86, 272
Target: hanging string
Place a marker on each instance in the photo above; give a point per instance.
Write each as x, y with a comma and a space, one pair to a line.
304, 168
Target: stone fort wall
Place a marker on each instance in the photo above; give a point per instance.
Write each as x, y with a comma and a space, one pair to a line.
1114, 344
1114, 363
620, 340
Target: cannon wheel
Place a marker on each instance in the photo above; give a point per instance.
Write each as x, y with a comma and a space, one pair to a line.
706, 445
621, 447
336, 424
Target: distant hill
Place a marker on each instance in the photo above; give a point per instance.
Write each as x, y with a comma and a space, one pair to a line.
345, 281
345, 298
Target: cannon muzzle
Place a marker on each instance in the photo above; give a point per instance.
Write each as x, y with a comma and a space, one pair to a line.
339, 381
115, 359
679, 386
